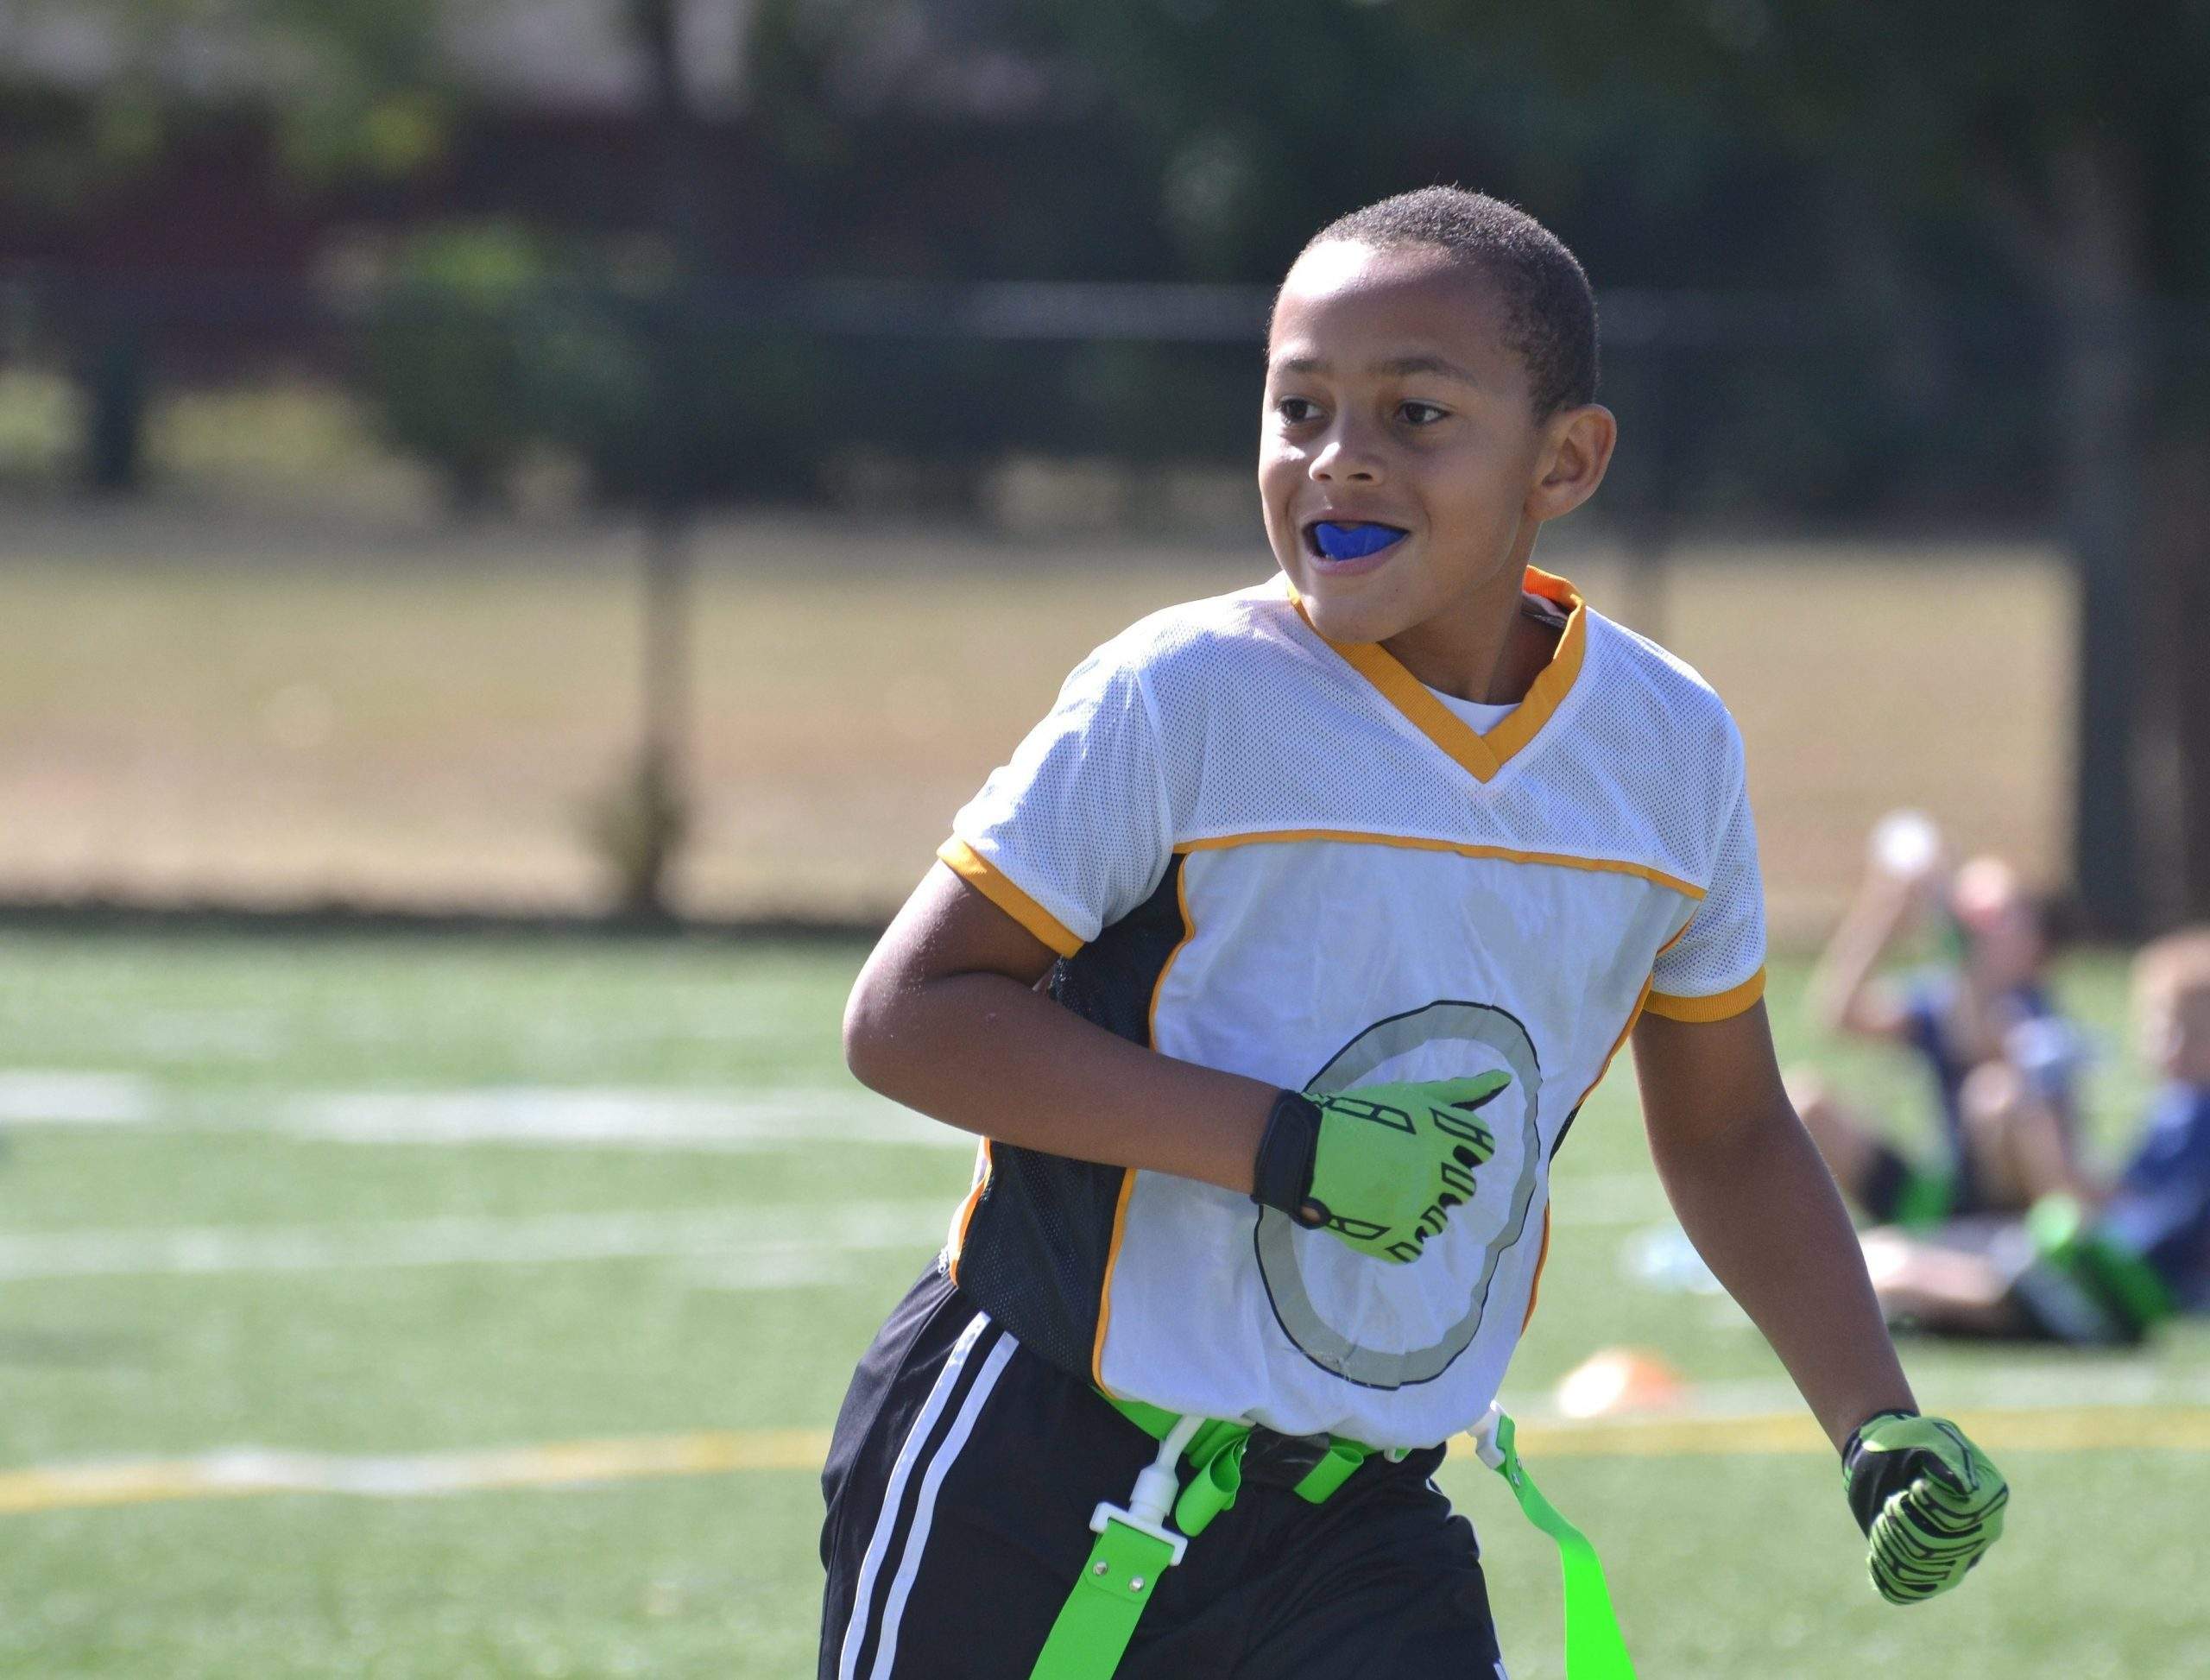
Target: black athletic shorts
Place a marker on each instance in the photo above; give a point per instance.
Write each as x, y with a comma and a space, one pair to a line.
1895, 1190
960, 1486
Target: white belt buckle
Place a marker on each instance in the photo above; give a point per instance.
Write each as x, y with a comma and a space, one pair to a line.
1108, 1513
1484, 1434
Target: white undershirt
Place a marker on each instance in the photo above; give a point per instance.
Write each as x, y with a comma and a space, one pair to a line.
1479, 717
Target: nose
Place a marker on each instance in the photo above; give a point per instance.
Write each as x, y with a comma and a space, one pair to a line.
1347, 455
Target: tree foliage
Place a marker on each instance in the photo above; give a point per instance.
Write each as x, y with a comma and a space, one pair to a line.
1985, 109
349, 85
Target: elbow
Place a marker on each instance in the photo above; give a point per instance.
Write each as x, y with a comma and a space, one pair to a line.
867, 1034
1858, 1019
1827, 1005
1841, 1014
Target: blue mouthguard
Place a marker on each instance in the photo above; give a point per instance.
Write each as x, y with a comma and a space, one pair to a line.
1353, 542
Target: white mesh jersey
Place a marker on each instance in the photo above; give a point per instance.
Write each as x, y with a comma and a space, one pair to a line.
1265, 852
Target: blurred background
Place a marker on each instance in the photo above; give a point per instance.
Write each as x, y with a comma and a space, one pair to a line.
520, 521
453, 450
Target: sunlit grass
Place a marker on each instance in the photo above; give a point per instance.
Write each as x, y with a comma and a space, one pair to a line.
1725, 1568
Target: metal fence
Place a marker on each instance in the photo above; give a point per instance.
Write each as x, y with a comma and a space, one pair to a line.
1777, 409
596, 500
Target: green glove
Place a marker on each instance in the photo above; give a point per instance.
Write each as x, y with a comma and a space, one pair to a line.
1381, 1166
1930, 1502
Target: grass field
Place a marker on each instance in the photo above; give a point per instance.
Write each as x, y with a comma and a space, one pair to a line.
191, 705
319, 1259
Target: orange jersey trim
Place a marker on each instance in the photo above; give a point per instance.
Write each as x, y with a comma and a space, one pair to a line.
993, 884
1128, 1174
1718, 1005
1644, 1001
1481, 755
1189, 932
1641, 1001
984, 1168
1542, 1259
1105, 1289
1419, 843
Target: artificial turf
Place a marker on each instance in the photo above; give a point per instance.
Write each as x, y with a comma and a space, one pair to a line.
240, 1207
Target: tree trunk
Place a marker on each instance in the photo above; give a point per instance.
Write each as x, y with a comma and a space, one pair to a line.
660, 778
2098, 268
114, 382
2174, 604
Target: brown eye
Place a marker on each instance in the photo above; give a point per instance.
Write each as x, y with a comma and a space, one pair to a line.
1295, 410
1420, 413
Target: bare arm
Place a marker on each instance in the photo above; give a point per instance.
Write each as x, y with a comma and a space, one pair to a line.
1762, 1209
946, 1018
1845, 995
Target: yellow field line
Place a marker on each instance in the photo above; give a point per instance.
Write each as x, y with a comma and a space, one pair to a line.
2024, 1428
240, 1474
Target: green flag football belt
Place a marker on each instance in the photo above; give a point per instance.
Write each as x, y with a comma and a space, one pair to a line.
1135, 1544
2132, 1291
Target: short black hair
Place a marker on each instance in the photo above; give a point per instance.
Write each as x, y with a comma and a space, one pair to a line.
1548, 310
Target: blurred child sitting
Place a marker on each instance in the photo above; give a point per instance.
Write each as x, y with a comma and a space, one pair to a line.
2002, 1061
2109, 1265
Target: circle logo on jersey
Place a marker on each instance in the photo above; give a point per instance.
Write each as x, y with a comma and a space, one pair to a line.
1391, 1327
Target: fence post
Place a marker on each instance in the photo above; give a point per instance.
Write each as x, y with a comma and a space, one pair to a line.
661, 790
114, 375
2099, 399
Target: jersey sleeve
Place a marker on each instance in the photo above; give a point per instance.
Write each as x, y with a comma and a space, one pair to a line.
1715, 968
2161, 1212
1927, 999
1075, 831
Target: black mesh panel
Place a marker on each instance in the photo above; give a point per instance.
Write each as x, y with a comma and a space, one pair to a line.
1035, 1253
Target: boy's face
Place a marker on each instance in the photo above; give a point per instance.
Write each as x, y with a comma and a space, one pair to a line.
2172, 1016
1393, 399
2003, 927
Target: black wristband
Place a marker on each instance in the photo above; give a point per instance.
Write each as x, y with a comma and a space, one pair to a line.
1867, 1487
1281, 1174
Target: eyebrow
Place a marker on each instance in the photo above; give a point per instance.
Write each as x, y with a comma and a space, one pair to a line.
1398, 365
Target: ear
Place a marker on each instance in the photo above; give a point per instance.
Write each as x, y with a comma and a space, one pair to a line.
1576, 448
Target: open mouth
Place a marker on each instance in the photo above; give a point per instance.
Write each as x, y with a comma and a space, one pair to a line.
1339, 540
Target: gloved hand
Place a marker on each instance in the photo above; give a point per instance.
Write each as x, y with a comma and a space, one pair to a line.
1381, 1166
1930, 1502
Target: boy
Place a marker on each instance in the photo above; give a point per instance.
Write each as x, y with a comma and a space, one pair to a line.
2002, 1062
1272, 970
2110, 1267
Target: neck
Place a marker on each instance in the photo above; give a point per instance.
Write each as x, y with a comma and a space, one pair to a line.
1482, 648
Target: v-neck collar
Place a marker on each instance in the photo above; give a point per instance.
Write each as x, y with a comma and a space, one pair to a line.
1480, 754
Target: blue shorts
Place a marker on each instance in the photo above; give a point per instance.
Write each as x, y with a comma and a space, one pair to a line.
960, 1485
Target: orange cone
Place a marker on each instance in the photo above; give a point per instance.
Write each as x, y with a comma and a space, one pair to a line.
1616, 1381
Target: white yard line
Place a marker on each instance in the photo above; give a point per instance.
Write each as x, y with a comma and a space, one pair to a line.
67, 1097
616, 1116
782, 1241
1609, 1199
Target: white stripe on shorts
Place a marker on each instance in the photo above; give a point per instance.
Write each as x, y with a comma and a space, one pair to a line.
917, 1538
946, 1381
